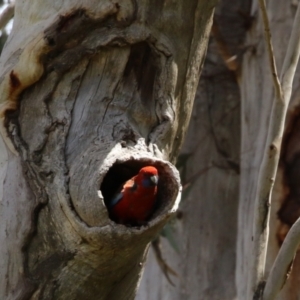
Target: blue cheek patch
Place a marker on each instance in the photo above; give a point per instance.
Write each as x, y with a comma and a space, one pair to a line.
147, 182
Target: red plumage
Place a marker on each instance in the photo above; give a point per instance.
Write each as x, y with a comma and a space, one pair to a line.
135, 201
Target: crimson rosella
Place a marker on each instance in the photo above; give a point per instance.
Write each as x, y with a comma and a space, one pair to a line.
135, 201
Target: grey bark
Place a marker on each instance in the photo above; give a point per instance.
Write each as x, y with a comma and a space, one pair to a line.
208, 261
206, 230
90, 89
256, 103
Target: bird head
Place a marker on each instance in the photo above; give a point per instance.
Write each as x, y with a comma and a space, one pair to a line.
148, 176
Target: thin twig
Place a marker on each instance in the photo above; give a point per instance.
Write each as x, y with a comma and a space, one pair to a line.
7, 15
291, 58
270, 160
267, 170
268, 40
165, 268
277, 276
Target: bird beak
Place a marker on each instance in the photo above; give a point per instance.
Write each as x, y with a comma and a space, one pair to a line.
154, 179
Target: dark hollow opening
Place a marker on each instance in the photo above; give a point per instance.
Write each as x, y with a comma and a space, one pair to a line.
119, 173
143, 64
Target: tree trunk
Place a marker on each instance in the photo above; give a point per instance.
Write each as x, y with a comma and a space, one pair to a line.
91, 92
209, 264
206, 230
257, 98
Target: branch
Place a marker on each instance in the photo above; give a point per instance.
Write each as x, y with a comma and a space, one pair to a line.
165, 268
268, 40
7, 15
291, 58
268, 170
278, 273
282, 265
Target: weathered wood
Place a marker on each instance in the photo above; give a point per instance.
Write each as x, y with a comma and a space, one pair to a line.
206, 227
258, 94
90, 87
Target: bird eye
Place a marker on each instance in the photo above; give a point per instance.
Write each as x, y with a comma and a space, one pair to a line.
154, 179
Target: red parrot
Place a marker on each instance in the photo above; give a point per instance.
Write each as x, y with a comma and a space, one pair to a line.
135, 201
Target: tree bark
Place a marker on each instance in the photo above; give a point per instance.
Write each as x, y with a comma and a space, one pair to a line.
206, 227
257, 99
91, 92
208, 260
